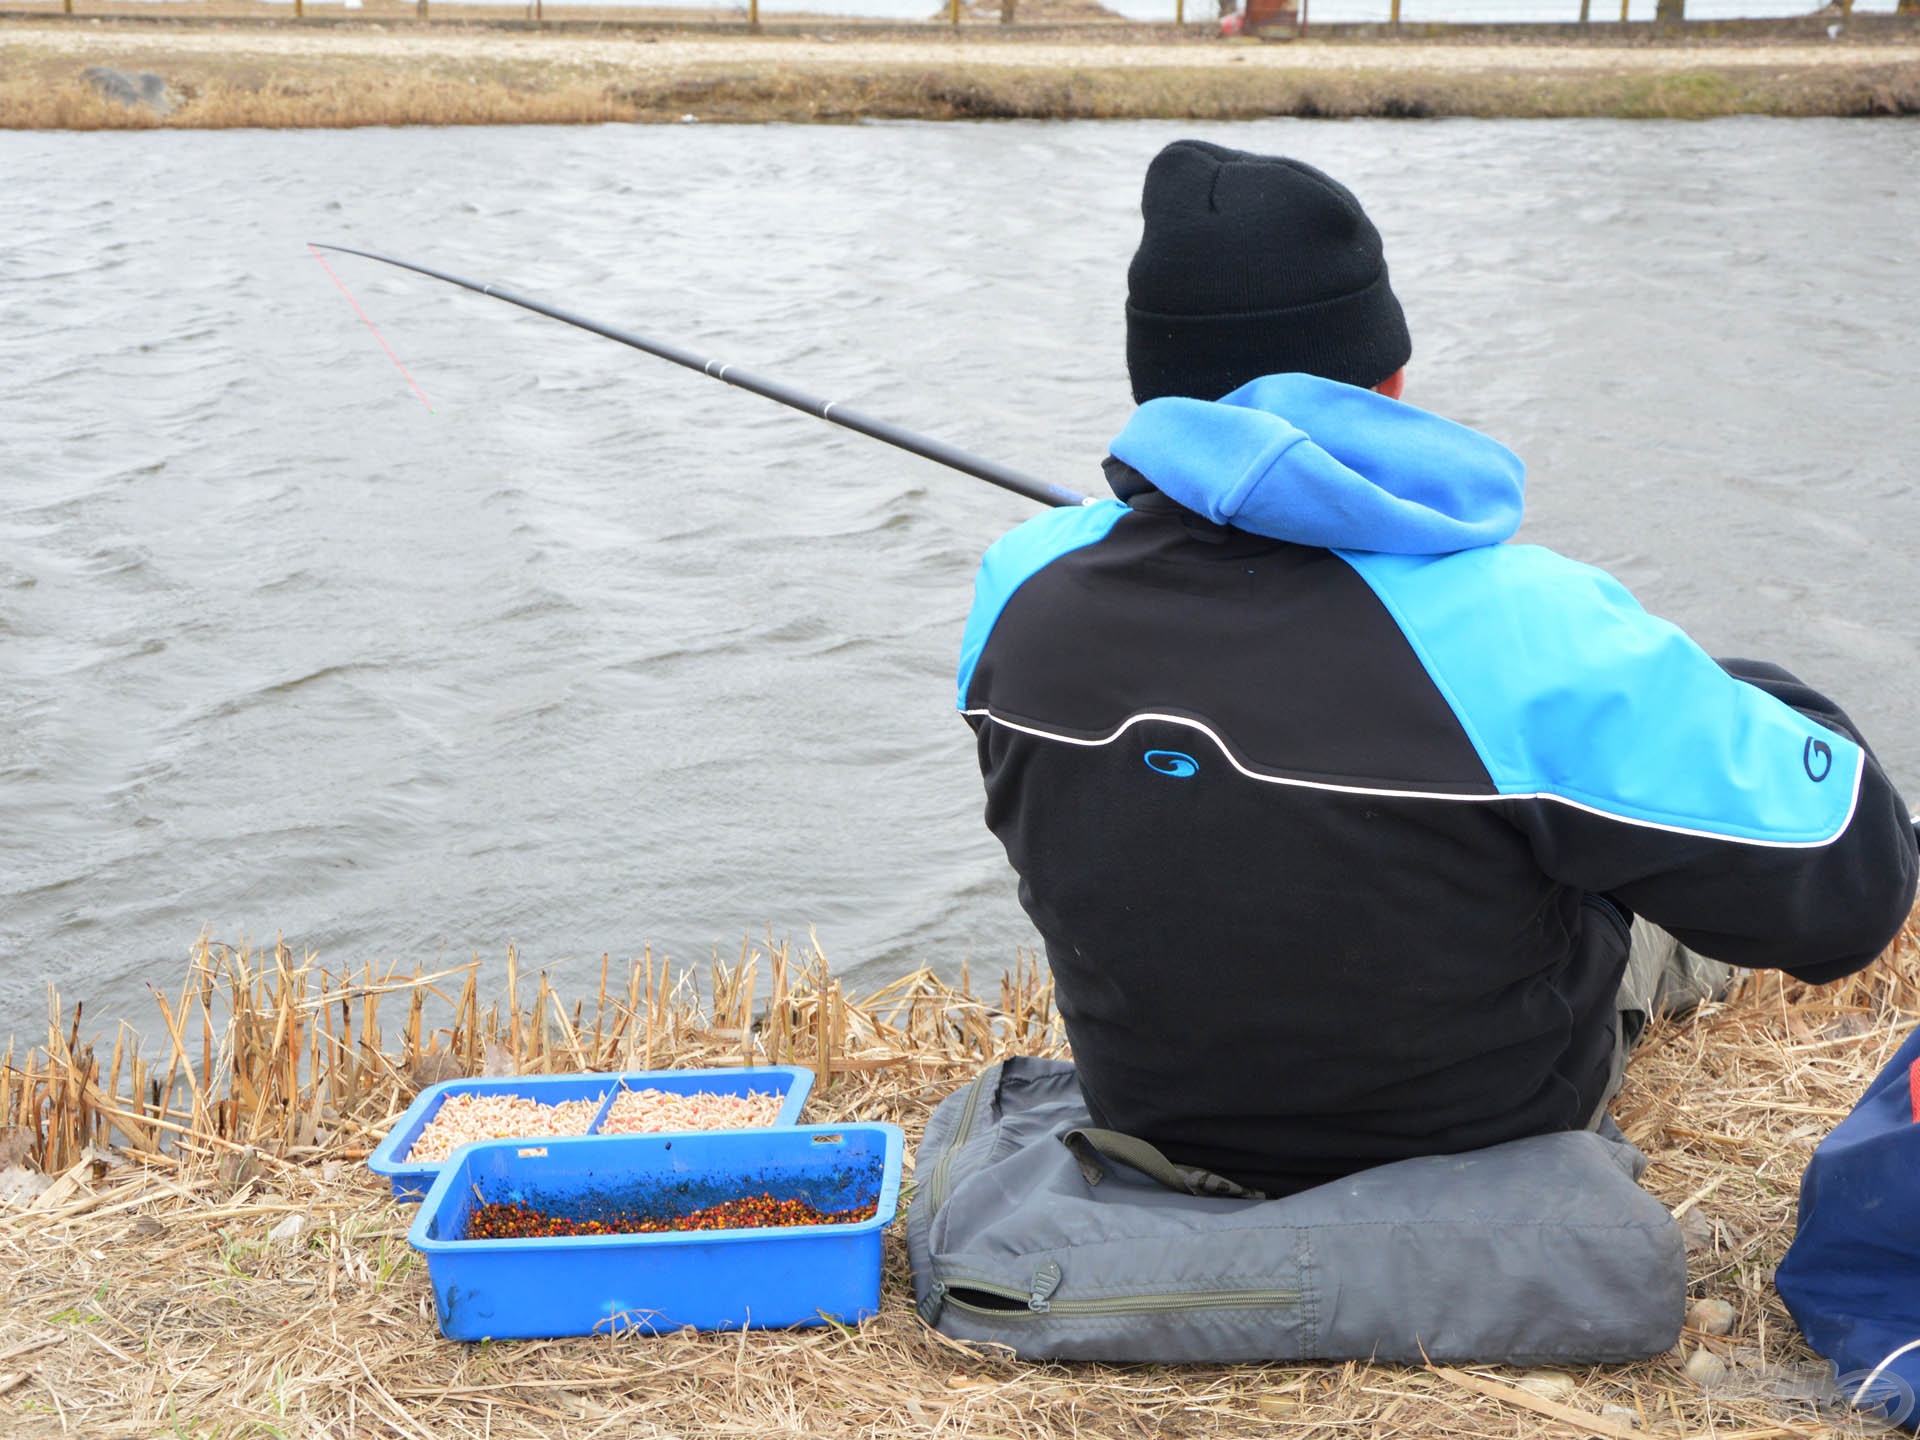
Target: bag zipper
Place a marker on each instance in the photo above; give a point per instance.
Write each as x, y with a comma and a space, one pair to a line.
937, 1183
1039, 1301
936, 1196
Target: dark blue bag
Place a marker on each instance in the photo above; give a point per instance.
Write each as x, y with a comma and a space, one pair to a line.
1852, 1276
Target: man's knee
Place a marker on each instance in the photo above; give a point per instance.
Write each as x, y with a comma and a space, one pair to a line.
1664, 978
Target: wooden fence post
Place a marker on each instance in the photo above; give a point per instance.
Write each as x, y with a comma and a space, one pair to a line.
1179, 12
953, 12
1393, 17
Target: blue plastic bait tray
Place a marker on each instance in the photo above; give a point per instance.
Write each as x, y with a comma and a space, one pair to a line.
412, 1181
766, 1278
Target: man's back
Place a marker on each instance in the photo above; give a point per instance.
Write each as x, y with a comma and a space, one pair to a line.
1326, 880
1278, 982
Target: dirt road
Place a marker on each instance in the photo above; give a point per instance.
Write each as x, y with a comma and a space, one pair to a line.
648, 52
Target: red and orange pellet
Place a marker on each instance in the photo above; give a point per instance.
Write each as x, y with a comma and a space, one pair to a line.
507, 1221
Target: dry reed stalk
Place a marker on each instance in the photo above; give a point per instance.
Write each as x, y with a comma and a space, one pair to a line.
822, 1042
113, 1081
25, 1116
368, 1058
569, 1033
513, 1004
204, 973
471, 1055
175, 1059
150, 1300
662, 1006
416, 1007
600, 1004
618, 1040
652, 1010
343, 1058
533, 1051
317, 1087
778, 1031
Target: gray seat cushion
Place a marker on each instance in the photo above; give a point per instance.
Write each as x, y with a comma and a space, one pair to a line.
1542, 1250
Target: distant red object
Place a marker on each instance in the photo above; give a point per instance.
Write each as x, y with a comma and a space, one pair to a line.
1232, 24
1271, 15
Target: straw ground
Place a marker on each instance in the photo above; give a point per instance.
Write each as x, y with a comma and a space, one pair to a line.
193, 1248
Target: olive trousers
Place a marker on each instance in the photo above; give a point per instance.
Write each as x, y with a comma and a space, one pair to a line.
1663, 978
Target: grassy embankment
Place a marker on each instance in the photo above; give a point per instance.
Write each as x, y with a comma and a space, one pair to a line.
193, 1248
335, 73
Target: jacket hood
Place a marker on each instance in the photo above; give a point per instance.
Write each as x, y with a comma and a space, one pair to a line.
1298, 458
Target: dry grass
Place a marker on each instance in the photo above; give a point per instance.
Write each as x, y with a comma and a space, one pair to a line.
291, 100
288, 102
338, 75
147, 1297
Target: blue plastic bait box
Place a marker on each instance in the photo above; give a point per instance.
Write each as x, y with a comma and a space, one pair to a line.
767, 1278
412, 1181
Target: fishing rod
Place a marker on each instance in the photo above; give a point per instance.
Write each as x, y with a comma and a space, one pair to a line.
925, 446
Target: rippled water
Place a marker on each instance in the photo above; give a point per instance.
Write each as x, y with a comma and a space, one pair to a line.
599, 654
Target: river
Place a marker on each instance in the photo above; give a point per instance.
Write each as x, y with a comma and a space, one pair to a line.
587, 653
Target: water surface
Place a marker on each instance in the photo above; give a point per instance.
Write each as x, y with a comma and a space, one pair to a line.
598, 654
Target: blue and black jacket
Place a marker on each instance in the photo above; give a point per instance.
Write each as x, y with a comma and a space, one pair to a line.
1332, 809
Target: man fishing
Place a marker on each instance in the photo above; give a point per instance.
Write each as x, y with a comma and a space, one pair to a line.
1334, 811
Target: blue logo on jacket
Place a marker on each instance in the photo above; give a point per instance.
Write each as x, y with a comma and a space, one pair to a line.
1173, 762
1817, 756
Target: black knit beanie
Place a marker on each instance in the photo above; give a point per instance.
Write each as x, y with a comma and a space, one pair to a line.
1251, 265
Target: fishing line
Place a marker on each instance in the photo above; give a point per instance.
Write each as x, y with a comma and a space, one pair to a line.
885, 431
371, 326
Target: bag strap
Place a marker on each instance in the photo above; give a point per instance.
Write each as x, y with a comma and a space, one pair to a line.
1090, 1146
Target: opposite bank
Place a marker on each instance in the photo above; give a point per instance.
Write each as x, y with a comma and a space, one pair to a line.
338, 75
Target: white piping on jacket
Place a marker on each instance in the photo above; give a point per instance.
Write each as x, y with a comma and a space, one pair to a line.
1127, 724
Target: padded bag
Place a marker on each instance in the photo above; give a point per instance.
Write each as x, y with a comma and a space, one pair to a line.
1851, 1278
1028, 1231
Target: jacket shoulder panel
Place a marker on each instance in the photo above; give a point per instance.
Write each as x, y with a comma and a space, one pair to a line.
1015, 558
1570, 691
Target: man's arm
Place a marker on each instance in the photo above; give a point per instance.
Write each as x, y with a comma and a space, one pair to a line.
1817, 912
1751, 824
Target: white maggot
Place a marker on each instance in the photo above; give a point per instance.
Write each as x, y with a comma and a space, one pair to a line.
463, 1118
637, 1112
